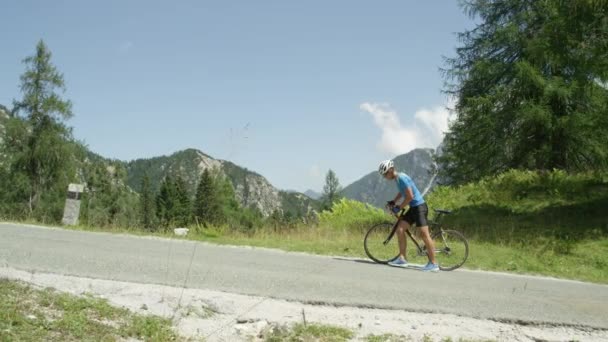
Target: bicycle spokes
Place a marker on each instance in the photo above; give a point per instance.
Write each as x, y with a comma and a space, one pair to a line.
379, 243
444, 243
451, 249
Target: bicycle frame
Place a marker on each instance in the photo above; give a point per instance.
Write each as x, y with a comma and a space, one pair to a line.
449, 243
418, 247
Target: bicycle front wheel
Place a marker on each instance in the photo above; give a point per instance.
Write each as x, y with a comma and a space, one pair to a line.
375, 246
451, 249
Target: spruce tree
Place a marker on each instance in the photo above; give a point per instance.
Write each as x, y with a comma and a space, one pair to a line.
182, 208
205, 202
146, 203
164, 202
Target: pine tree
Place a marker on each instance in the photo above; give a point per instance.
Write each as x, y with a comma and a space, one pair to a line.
164, 202
182, 204
146, 203
47, 155
227, 205
331, 190
205, 202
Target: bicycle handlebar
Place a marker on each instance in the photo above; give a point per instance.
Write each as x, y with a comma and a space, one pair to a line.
390, 210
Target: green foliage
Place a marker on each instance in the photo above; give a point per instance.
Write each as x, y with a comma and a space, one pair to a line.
46, 160
14, 182
173, 205
248, 220
182, 209
164, 202
331, 190
206, 205
225, 196
216, 204
40, 102
39, 152
388, 338
297, 205
107, 201
286, 220
528, 84
28, 314
352, 215
146, 204
309, 332
555, 208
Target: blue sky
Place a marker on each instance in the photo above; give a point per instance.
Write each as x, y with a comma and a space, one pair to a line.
288, 89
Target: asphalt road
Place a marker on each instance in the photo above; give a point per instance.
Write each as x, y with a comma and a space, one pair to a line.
301, 277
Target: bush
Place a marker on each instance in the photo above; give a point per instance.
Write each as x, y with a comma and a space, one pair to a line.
352, 215
522, 191
523, 206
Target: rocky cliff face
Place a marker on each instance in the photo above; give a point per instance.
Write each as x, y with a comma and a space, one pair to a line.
256, 192
251, 189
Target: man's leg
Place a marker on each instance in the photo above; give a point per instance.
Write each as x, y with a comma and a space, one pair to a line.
403, 226
428, 242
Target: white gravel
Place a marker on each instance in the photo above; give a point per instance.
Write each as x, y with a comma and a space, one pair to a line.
220, 316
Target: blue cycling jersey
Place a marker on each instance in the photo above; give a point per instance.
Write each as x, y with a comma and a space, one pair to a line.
403, 182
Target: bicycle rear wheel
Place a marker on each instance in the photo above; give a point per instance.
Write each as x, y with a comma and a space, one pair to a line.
374, 243
451, 249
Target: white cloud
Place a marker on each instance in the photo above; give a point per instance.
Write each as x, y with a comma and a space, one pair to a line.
427, 129
125, 46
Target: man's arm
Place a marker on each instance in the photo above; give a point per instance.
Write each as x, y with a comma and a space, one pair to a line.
398, 197
409, 195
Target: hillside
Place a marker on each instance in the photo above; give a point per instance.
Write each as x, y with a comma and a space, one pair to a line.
252, 190
523, 205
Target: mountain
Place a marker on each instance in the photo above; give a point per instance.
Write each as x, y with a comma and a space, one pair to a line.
252, 190
375, 190
313, 194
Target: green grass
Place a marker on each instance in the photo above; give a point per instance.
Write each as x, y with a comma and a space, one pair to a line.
29, 314
522, 207
388, 338
401, 338
310, 332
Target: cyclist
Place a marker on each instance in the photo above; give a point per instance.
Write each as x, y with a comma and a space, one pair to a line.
417, 213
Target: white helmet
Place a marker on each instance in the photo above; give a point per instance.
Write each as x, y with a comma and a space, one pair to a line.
385, 166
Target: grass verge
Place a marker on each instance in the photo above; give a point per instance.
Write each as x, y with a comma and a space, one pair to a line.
30, 314
310, 332
402, 338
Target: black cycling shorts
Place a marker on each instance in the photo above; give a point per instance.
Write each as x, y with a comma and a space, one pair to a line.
418, 215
